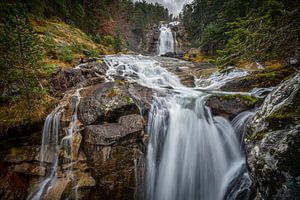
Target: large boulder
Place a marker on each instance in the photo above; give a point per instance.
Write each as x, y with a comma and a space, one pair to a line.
230, 105
105, 102
273, 146
112, 151
83, 75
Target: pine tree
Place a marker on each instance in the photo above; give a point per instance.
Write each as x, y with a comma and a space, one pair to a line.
21, 53
117, 41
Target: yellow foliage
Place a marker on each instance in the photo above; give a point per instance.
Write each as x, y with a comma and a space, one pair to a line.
195, 55
269, 65
273, 65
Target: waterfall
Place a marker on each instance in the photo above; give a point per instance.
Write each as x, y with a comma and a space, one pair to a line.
239, 123
166, 40
51, 146
191, 154
49, 151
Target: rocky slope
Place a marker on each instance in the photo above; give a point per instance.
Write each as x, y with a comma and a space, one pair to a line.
273, 145
107, 153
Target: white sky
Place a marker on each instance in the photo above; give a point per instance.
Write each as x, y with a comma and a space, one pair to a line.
174, 6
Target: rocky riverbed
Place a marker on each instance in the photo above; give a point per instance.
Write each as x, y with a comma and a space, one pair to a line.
108, 151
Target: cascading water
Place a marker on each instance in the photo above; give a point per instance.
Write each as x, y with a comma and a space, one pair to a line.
166, 40
51, 146
49, 151
191, 154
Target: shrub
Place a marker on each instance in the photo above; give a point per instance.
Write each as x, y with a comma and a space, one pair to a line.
66, 54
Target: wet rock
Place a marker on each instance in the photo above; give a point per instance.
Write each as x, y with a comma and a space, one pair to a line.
186, 71
75, 145
142, 96
83, 75
273, 146
21, 154
258, 80
29, 169
59, 189
229, 105
281, 107
105, 102
85, 185
62, 80
182, 40
108, 134
274, 164
12, 185
112, 150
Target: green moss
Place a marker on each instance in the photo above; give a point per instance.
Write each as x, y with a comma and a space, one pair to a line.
16, 151
276, 76
49, 69
251, 99
257, 137
128, 99
112, 92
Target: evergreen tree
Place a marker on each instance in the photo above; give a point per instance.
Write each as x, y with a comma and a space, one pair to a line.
117, 44
21, 52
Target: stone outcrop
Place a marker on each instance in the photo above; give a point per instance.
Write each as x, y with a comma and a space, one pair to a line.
88, 74
105, 147
258, 79
230, 105
273, 147
182, 40
113, 150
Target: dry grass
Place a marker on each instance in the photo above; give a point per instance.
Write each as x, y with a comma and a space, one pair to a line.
268, 65
65, 35
17, 112
195, 55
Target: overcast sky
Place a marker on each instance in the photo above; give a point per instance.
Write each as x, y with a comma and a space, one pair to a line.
174, 6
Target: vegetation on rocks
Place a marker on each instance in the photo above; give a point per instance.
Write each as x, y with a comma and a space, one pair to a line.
24, 95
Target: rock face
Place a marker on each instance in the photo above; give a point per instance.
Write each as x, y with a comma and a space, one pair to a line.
274, 144
113, 150
148, 40
229, 106
182, 43
258, 79
106, 147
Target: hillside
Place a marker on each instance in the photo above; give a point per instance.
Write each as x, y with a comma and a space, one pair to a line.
119, 100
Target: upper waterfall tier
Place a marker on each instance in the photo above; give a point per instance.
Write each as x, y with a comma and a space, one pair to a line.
166, 40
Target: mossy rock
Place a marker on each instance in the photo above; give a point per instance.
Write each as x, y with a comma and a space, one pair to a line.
259, 80
229, 105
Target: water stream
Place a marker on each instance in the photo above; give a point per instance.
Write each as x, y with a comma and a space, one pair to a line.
51, 146
166, 40
191, 155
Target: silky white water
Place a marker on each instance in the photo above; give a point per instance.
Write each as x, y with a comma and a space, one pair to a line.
51, 146
49, 151
166, 40
191, 154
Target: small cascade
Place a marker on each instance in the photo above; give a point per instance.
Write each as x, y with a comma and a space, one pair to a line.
239, 124
166, 40
217, 79
49, 150
191, 154
52, 147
